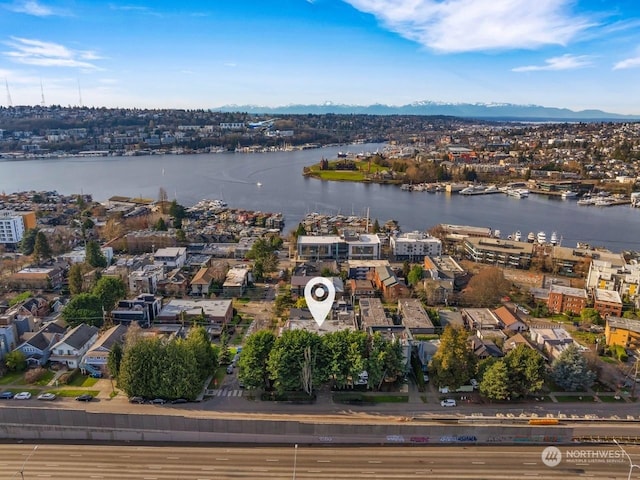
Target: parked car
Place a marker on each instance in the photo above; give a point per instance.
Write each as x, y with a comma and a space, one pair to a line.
425, 377
230, 369
474, 383
47, 396
158, 401
96, 375
6, 395
22, 396
448, 402
85, 397
179, 400
136, 400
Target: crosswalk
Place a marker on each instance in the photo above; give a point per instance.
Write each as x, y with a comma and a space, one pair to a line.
224, 392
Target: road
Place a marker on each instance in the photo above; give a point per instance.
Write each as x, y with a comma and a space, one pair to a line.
130, 462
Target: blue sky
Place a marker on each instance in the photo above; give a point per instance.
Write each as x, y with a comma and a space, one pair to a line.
202, 54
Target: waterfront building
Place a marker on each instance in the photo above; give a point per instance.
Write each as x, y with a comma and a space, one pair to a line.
333, 247
415, 245
494, 251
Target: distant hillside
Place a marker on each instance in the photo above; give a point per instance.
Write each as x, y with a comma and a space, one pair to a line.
501, 111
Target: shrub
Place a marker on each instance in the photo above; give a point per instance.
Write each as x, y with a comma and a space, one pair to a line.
35, 374
67, 378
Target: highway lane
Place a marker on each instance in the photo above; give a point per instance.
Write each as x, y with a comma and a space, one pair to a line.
130, 462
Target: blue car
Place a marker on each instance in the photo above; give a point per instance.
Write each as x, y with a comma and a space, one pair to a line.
6, 395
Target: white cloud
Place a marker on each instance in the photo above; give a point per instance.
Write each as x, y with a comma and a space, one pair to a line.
32, 7
633, 62
48, 54
565, 62
452, 26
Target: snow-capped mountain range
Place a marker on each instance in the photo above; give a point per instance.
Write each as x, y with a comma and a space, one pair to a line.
495, 111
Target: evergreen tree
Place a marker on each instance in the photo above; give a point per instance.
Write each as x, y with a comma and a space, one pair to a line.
495, 382
570, 370
94, 256
454, 362
41, 248
28, 241
76, 279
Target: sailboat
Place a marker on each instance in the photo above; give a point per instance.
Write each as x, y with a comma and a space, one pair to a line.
258, 184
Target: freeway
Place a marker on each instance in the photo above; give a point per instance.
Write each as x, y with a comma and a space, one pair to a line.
134, 462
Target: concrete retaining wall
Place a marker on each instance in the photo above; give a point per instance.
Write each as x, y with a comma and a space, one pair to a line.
43, 424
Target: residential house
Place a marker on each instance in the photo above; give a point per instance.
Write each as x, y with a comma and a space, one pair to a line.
364, 269
552, 341
97, 356
178, 311
72, 347
361, 289
483, 348
36, 346
302, 319
607, 302
515, 341
481, 319
509, 320
298, 284
201, 282
391, 287
623, 331
8, 336
175, 284
566, 299
414, 316
143, 309
146, 279
170, 257
235, 283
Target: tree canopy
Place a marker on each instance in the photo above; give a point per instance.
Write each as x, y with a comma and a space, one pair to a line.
41, 248
571, 371
486, 288
109, 290
253, 360
83, 308
94, 256
454, 363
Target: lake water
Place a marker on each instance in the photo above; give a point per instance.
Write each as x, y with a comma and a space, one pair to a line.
234, 178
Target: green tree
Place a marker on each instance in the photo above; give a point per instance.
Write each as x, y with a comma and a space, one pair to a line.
115, 360
83, 308
199, 343
454, 363
109, 290
406, 268
415, 275
16, 361
160, 225
300, 231
178, 212
224, 356
571, 371
41, 248
180, 235
591, 315
76, 280
94, 256
253, 360
265, 260
376, 226
526, 369
28, 241
495, 382
297, 361
347, 352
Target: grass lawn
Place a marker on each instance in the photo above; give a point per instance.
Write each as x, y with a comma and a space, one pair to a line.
611, 399
73, 393
46, 378
12, 377
219, 376
82, 381
577, 398
243, 300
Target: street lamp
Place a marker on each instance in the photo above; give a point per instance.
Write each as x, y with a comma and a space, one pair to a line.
631, 464
25, 462
295, 460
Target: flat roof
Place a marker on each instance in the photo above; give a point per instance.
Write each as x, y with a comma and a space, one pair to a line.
235, 277
630, 324
414, 314
499, 245
320, 239
372, 313
573, 292
610, 296
170, 251
212, 308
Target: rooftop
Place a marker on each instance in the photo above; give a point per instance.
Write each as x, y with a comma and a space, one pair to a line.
630, 324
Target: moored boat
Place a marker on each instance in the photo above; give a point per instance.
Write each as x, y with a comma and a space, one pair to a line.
541, 237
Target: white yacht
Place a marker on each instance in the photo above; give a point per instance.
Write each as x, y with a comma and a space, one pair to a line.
517, 237
541, 238
569, 194
531, 237
554, 239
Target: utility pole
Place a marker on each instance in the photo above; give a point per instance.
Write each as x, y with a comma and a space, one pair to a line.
25, 462
295, 460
